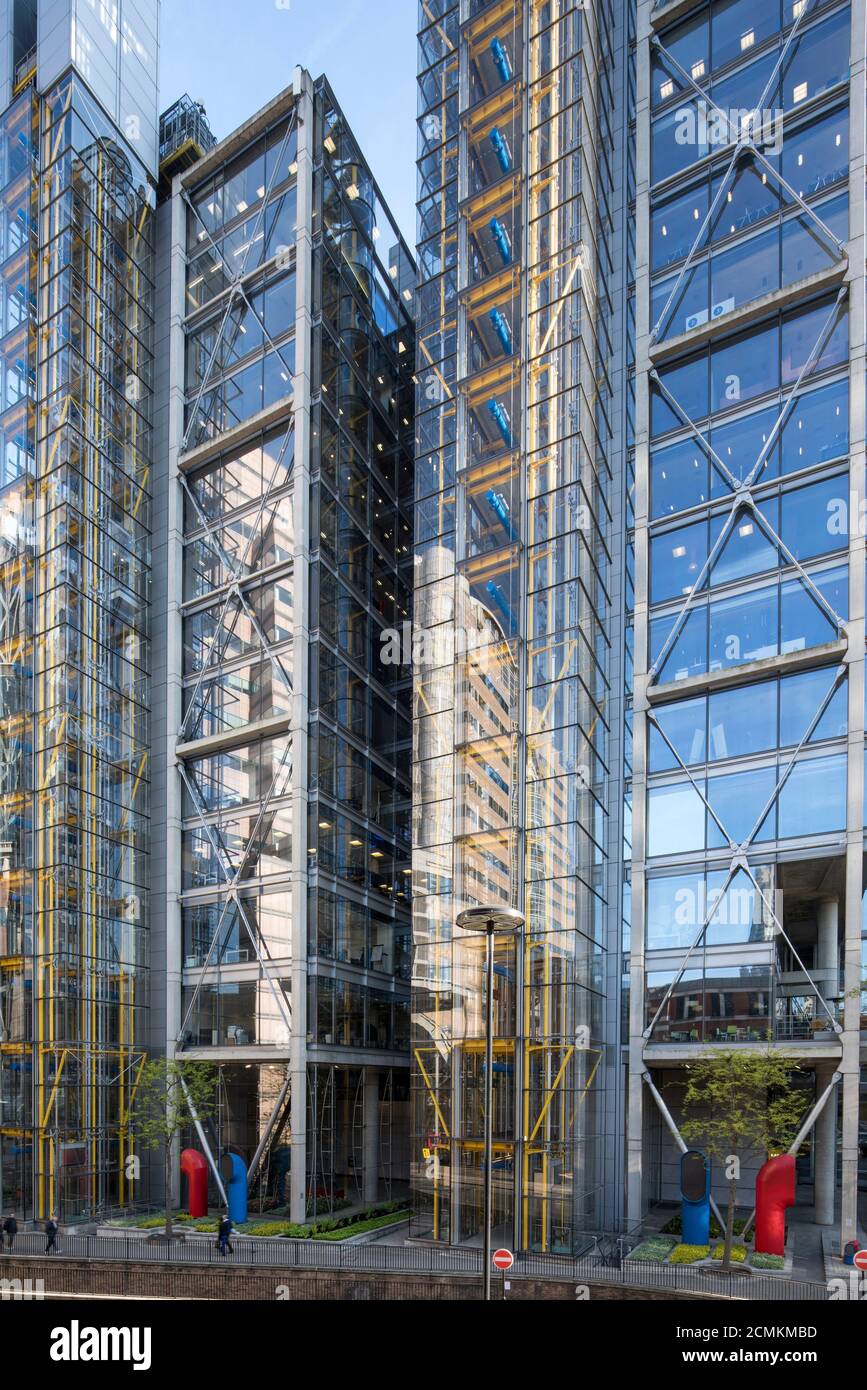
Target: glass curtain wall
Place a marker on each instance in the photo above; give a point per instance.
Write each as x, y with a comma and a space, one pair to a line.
511, 561
358, 838
744, 786
91, 664
19, 163
238, 460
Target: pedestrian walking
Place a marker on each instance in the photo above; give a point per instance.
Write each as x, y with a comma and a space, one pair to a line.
225, 1233
10, 1231
51, 1230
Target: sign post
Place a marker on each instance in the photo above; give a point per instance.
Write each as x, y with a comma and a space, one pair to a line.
503, 1259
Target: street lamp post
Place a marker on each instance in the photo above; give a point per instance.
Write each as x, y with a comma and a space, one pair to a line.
489, 920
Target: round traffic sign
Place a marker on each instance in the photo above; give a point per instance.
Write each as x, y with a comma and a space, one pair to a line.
503, 1259
859, 1259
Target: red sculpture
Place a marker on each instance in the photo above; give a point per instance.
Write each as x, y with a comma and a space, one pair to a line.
775, 1191
195, 1170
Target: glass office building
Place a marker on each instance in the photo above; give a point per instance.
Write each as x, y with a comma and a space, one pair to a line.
513, 520
287, 528
76, 169
748, 754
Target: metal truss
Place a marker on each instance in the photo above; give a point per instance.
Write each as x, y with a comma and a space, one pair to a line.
234, 589
744, 499
240, 578
236, 277
233, 880
739, 852
744, 144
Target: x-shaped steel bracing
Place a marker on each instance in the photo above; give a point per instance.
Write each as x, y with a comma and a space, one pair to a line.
744, 144
236, 277
743, 500
235, 593
739, 851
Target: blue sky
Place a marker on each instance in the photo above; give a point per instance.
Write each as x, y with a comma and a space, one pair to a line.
234, 55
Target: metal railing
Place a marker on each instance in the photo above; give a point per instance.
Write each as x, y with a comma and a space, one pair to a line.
24, 69
604, 1262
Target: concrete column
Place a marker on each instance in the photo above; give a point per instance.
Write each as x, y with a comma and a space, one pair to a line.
635, 1085
855, 631
371, 1134
828, 954
303, 87
825, 1151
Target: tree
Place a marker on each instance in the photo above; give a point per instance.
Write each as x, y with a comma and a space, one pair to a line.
738, 1105
169, 1092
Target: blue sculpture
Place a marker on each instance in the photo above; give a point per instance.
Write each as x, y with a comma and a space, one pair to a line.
695, 1197
234, 1175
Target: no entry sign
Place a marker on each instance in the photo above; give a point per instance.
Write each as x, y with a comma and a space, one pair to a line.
503, 1259
859, 1259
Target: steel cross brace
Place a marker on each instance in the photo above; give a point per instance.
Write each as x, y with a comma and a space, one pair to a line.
234, 568
744, 143
744, 498
739, 859
236, 276
233, 878
690, 81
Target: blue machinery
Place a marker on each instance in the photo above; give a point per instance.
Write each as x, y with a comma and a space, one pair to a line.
500, 417
501, 60
501, 150
496, 592
502, 329
501, 240
500, 508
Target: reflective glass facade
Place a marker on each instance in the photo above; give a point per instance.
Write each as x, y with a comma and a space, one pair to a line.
77, 344
295, 468
747, 839
513, 483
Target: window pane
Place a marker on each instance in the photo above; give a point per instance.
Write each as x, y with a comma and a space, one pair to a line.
676, 559
747, 549
750, 197
688, 655
674, 910
817, 154
803, 622
678, 478
739, 445
745, 272
675, 225
684, 725
742, 721
813, 800
800, 698
740, 25
738, 914
744, 629
745, 368
815, 518
817, 428
675, 820
738, 798
688, 385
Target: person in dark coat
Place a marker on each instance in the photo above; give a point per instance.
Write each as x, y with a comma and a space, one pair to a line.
10, 1230
51, 1230
225, 1233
